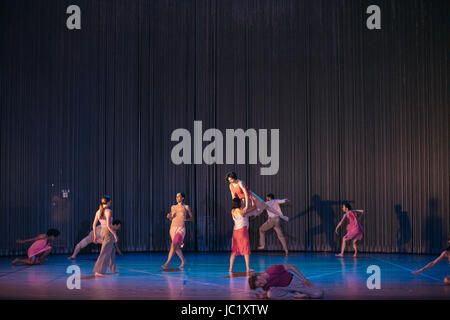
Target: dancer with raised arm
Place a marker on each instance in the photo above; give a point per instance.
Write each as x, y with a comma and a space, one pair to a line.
40, 248
90, 239
240, 242
273, 222
354, 228
177, 231
107, 256
254, 204
442, 256
278, 283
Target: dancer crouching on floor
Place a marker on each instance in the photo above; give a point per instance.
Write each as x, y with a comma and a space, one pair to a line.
240, 243
107, 256
40, 248
354, 228
278, 283
177, 229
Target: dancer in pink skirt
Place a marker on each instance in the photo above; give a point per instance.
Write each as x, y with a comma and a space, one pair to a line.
40, 248
240, 243
354, 228
254, 204
177, 230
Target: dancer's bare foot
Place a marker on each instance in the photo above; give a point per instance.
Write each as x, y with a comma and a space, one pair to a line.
339, 255
230, 270
99, 275
250, 271
182, 264
14, 262
355, 255
260, 247
287, 253
71, 258
165, 265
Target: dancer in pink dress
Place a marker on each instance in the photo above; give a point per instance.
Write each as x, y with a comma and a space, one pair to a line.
40, 248
254, 204
354, 228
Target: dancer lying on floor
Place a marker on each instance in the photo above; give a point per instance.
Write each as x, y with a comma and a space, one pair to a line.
278, 283
443, 255
40, 248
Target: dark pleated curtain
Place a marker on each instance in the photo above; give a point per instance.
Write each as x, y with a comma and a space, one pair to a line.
363, 117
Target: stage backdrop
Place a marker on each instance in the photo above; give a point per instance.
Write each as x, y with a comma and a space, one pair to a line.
363, 115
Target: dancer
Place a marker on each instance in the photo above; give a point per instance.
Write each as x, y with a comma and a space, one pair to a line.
354, 228
273, 222
240, 243
443, 255
278, 283
107, 256
255, 205
116, 224
40, 248
177, 229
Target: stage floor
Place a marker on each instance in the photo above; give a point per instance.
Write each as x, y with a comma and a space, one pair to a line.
206, 277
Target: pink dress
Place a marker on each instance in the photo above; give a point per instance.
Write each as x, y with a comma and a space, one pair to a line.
38, 247
354, 227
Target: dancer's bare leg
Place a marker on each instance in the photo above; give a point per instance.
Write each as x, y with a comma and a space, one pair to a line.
180, 255
356, 249
232, 258
282, 239
247, 263
171, 252
342, 248
28, 261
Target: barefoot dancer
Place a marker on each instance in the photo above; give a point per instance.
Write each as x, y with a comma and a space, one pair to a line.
273, 222
254, 204
177, 229
443, 255
40, 248
107, 256
278, 283
90, 239
354, 228
240, 243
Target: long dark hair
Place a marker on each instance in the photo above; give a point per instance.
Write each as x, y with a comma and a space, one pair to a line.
105, 199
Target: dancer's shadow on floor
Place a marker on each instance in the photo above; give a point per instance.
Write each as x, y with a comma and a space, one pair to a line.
327, 220
404, 228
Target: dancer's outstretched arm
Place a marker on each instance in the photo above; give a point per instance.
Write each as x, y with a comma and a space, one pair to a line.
191, 216
38, 237
432, 263
297, 272
340, 222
